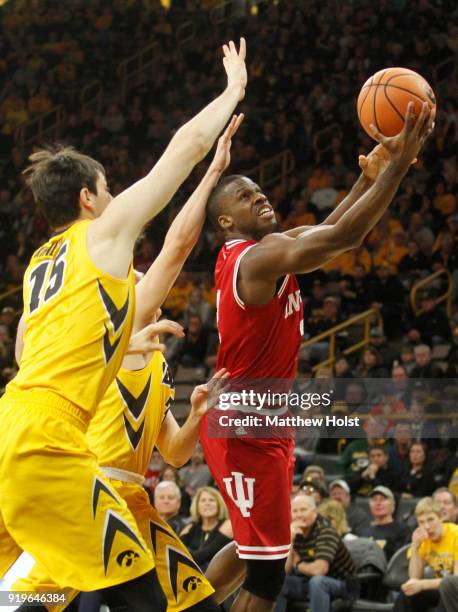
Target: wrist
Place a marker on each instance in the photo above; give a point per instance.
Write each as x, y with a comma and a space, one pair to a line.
235, 90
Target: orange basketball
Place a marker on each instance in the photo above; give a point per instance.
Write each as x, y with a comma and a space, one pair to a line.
384, 98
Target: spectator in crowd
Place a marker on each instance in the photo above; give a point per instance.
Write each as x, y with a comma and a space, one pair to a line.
377, 340
400, 383
434, 543
371, 364
196, 474
196, 305
414, 261
178, 297
432, 326
391, 535
318, 562
388, 297
399, 451
355, 456
190, 351
407, 358
424, 367
448, 592
357, 518
448, 504
334, 512
311, 487
210, 529
418, 480
167, 501
171, 474
316, 473
377, 473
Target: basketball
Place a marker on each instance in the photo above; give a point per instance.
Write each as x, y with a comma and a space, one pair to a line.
384, 97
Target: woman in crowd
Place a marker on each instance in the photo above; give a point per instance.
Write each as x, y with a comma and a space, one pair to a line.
370, 365
210, 529
418, 480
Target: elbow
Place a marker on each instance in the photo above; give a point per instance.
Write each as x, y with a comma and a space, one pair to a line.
175, 460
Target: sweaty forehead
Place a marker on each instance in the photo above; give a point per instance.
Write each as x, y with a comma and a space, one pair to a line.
241, 183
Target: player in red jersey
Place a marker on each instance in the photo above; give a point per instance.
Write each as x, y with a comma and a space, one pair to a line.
259, 322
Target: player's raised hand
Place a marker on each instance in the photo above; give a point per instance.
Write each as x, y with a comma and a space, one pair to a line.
222, 156
376, 162
405, 146
206, 396
146, 340
234, 65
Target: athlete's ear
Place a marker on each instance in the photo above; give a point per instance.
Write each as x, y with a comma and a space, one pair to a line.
226, 222
86, 202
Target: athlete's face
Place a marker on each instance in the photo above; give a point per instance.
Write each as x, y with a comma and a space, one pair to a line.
207, 506
248, 210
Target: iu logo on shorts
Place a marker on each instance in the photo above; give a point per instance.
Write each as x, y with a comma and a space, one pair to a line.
241, 490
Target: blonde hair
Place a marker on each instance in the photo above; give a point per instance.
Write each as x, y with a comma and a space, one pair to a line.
335, 513
222, 510
427, 505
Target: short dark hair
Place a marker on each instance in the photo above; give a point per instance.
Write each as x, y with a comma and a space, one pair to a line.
214, 207
56, 176
378, 447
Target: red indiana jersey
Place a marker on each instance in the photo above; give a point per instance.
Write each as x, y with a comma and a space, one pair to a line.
256, 341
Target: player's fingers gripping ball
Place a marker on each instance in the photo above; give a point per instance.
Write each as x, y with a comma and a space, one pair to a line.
384, 98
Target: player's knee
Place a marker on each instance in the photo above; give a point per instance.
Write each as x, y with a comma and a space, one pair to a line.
265, 578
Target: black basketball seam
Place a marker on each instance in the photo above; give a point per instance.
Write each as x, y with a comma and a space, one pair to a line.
375, 104
391, 103
399, 87
362, 103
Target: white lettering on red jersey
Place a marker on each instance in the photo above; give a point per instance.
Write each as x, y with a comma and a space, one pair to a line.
256, 341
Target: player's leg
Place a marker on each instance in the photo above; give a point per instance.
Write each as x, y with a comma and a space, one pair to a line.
77, 526
184, 585
262, 585
9, 550
38, 581
254, 478
226, 572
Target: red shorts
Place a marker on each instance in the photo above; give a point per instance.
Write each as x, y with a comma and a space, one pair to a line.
254, 477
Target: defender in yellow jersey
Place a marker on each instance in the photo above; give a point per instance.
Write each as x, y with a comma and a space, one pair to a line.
55, 502
133, 417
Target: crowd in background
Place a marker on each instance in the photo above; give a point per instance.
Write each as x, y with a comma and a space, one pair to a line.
306, 63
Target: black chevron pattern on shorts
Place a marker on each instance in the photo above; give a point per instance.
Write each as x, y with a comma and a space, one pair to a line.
174, 558
114, 524
100, 486
154, 528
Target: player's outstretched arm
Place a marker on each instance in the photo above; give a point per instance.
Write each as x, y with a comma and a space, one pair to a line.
182, 236
176, 444
112, 236
277, 254
372, 166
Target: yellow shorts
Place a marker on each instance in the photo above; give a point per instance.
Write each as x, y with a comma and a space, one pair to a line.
183, 583
55, 502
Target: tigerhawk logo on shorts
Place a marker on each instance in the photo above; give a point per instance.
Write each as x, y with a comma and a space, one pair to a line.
191, 583
127, 558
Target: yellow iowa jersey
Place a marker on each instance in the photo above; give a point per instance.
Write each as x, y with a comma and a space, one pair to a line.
128, 420
78, 321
